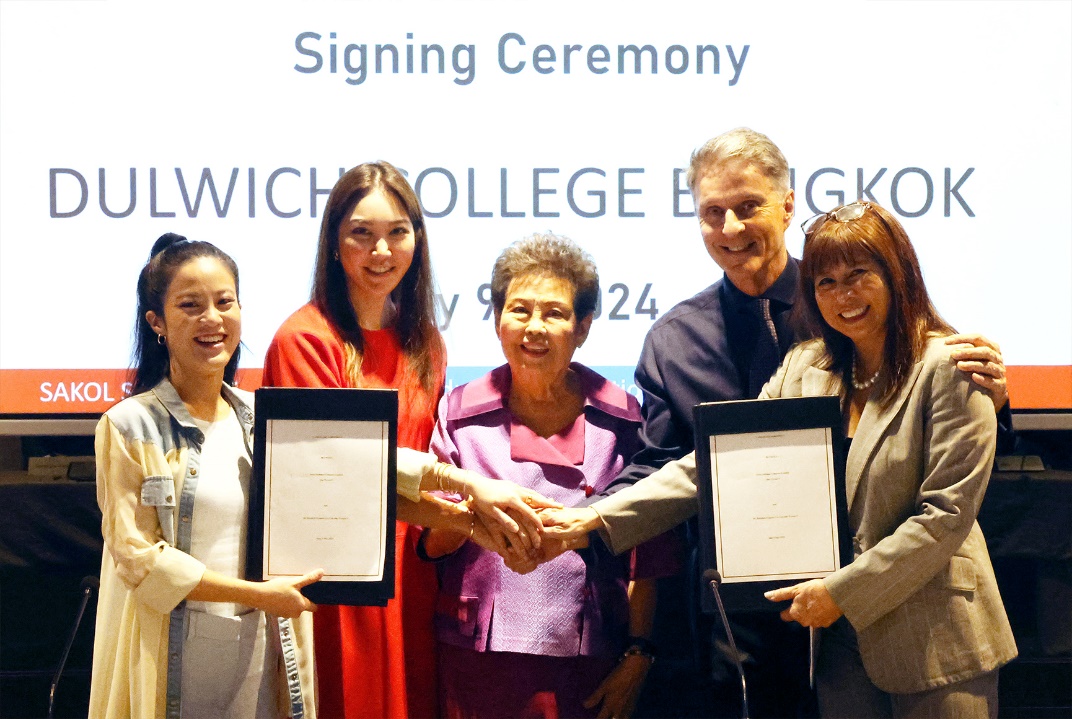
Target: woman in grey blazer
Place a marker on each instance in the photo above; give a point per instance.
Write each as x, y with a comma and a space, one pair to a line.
914, 626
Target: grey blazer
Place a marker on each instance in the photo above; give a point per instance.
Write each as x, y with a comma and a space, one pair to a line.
921, 592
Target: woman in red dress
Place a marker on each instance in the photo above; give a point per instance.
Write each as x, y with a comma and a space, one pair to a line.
371, 323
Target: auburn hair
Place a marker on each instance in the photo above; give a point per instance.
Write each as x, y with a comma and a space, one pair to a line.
875, 236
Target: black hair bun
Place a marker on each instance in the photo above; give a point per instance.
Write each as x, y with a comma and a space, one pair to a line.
165, 241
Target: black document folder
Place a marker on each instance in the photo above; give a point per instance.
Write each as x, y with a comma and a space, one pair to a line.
771, 487
322, 493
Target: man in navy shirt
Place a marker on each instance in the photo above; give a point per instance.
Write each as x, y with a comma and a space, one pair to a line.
708, 348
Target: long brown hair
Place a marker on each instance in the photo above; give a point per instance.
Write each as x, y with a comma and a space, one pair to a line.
877, 236
414, 297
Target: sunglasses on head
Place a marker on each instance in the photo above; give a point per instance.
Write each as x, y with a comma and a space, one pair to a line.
845, 213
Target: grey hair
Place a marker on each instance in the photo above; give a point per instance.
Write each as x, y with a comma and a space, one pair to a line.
745, 144
547, 255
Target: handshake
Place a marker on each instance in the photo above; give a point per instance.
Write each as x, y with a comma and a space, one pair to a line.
522, 526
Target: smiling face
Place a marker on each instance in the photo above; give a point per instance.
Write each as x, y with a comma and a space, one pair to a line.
376, 246
854, 299
202, 320
743, 217
538, 327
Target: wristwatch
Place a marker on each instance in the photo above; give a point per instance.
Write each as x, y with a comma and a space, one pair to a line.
640, 647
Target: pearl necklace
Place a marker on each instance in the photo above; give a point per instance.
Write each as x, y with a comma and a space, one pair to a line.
866, 384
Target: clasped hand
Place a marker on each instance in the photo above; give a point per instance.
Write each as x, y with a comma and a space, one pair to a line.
504, 516
563, 529
525, 528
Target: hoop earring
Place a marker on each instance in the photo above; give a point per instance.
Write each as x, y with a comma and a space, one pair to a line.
160, 339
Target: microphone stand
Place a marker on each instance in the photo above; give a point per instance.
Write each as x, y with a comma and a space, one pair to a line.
712, 577
88, 586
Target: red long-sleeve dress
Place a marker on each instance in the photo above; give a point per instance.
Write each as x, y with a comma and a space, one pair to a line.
373, 662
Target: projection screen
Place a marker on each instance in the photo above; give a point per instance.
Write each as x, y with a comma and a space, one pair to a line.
230, 122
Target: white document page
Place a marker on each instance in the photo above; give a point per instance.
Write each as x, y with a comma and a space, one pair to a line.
325, 498
774, 505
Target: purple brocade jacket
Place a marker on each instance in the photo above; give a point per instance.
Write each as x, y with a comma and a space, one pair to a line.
566, 607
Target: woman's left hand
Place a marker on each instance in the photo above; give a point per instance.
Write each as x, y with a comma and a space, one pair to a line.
619, 691
812, 604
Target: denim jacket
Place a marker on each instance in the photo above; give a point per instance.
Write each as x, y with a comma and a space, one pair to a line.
148, 464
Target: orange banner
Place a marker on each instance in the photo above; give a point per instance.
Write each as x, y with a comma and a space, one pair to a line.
75, 391
1040, 387
92, 391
